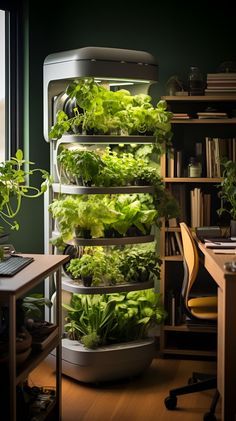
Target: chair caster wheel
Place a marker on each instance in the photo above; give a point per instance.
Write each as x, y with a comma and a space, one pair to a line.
171, 402
209, 417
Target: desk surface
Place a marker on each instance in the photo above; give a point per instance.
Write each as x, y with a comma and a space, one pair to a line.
226, 328
214, 263
41, 267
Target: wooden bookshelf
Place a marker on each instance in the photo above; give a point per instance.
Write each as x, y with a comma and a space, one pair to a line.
175, 339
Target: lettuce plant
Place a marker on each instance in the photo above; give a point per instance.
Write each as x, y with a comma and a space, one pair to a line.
104, 111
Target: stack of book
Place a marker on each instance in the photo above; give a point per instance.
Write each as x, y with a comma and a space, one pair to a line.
181, 116
200, 208
221, 83
212, 114
216, 150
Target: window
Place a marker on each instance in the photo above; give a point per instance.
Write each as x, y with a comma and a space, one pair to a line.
11, 77
2, 85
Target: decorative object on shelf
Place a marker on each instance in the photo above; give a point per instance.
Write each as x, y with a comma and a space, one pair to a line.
195, 81
175, 86
228, 193
228, 66
194, 167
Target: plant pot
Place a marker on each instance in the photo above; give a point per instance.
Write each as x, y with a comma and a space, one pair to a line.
82, 233
233, 228
106, 363
141, 182
133, 232
143, 276
87, 280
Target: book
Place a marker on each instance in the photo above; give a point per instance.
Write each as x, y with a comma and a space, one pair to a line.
220, 244
224, 251
226, 75
178, 163
183, 116
212, 115
179, 242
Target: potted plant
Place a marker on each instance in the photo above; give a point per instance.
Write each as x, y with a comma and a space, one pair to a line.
108, 335
228, 193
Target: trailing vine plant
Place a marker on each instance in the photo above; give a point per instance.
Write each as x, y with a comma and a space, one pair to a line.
14, 187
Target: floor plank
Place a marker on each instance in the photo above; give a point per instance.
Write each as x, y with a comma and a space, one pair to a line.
136, 399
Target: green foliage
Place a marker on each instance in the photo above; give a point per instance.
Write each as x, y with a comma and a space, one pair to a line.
14, 187
113, 318
81, 164
33, 304
116, 265
101, 265
108, 168
228, 189
104, 111
140, 263
96, 213
83, 212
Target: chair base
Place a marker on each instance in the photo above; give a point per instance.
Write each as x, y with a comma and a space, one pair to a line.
197, 383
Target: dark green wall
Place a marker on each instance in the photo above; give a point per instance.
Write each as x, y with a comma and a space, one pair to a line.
179, 34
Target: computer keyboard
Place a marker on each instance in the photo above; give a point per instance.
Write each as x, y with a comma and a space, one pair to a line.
14, 264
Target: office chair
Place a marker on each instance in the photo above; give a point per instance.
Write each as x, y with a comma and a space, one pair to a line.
196, 309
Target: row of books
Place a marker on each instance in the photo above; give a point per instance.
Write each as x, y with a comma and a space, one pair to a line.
211, 152
200, 208
221, 83
200, 213
173, 244
195, 205
201, 115
216, 150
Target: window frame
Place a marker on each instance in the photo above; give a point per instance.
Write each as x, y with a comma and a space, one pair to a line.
13, 76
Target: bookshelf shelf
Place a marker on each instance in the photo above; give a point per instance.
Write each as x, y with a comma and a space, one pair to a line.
198, 199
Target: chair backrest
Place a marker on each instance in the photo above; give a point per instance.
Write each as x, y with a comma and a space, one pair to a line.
191, 262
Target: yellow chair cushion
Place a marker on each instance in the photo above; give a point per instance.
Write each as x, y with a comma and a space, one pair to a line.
203, 302
204, 307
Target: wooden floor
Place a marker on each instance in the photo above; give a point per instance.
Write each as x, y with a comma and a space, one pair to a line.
137, 399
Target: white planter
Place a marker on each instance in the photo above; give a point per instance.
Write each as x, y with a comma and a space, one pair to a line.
106, 363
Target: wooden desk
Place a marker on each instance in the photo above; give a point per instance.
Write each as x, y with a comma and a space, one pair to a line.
226, 329
10, 290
